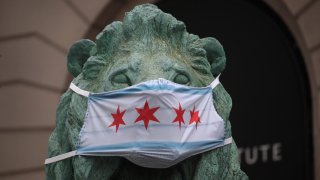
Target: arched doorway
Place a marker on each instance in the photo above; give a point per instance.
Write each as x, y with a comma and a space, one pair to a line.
267, 80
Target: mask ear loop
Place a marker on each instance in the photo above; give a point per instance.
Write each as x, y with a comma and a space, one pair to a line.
60, 157
77, 90
215, 82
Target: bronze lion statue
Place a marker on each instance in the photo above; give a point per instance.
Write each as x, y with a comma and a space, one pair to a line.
148, 44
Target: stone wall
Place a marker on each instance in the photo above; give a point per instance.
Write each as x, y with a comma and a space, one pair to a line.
34, 38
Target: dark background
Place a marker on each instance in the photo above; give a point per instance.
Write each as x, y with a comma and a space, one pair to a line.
266, 79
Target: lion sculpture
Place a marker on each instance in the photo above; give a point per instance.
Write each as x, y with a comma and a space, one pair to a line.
148, 44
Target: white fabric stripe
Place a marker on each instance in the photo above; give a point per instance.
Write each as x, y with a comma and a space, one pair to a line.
215, 82
60, 157
78, 90
153, 134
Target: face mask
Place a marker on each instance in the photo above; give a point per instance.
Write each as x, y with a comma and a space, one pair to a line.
154, 124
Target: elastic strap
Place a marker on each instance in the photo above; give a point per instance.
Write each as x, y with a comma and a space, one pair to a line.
228, 141
77, 90
215, 82
60, 157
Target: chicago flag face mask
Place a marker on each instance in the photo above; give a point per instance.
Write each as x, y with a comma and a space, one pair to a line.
153, 124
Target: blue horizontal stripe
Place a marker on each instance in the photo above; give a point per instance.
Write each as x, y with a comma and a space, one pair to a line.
153, 87
151, 146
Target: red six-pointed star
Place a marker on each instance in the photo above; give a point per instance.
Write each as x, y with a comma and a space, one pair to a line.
118, 118
146, 114
194, 117
179, 117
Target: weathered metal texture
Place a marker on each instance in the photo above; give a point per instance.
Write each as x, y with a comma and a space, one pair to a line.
148, 44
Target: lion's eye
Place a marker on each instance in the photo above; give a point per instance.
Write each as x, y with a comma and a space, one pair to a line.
181, 79
121, 79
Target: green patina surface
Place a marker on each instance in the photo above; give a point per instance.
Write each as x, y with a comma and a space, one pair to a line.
148, 44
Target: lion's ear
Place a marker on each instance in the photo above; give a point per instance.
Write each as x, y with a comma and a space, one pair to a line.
215, 55
78, 55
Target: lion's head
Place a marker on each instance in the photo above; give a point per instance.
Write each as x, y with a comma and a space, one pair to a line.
148, 44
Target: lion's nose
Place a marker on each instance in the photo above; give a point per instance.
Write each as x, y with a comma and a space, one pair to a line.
153, 76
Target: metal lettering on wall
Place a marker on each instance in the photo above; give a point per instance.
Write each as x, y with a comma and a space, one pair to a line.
260, 153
